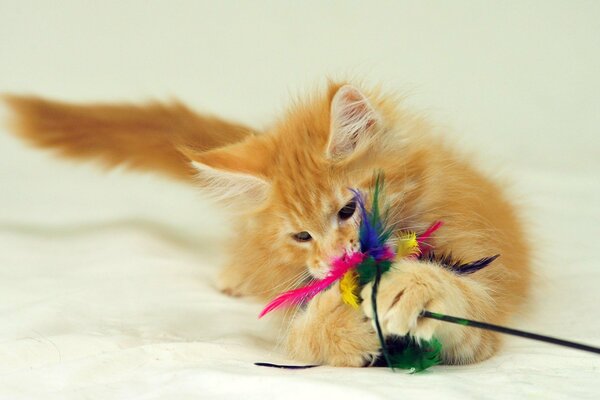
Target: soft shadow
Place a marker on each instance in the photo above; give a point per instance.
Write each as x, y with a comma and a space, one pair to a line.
160, 231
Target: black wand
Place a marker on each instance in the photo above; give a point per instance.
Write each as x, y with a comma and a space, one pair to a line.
510, 331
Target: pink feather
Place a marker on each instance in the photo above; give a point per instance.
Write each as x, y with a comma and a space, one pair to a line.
424, 247
339, 267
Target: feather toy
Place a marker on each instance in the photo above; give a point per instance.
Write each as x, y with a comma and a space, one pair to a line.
354, 270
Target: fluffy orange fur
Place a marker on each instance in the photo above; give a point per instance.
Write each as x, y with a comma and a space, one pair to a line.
294, 177
141, 137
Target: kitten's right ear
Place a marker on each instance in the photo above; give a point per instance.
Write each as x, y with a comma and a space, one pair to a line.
352, 119
232, 175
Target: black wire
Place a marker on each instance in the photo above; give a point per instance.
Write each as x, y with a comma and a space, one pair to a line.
374, 289
510, 331
265, 364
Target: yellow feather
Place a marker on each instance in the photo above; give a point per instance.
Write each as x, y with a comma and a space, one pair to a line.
349, 288
407, 245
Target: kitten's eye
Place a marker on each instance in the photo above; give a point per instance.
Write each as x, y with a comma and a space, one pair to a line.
302, 236
347, 211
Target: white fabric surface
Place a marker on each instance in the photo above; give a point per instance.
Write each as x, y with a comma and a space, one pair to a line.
107, 280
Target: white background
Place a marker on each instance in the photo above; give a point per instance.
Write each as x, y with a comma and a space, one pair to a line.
106, 280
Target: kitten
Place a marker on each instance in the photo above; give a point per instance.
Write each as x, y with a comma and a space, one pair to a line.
290, 185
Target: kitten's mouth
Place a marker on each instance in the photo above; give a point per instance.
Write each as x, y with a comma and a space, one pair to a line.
320, 273
322, 270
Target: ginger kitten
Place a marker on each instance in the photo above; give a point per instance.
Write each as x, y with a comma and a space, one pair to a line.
290, 185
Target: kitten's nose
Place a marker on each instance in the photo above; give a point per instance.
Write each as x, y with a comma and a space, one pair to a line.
352, 246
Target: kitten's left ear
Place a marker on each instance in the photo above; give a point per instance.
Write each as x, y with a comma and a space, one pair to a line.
232, 175
352, 119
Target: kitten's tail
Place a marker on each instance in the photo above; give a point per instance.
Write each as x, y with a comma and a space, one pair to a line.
142, 137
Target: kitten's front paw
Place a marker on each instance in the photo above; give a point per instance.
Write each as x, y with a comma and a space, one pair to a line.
410, 288
230, 282
331, 332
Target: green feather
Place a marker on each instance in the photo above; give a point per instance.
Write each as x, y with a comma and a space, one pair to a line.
366, 271
416, 357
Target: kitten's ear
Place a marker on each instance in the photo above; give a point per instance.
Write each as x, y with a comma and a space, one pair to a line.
352, 117
232, 175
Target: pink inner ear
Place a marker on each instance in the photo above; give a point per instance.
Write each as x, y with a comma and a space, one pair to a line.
354, 107
351, 116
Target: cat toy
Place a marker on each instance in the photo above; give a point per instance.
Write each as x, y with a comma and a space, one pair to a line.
376, 256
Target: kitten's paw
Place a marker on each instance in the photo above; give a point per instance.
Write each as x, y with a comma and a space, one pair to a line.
408, 289
331, 332
230, 283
